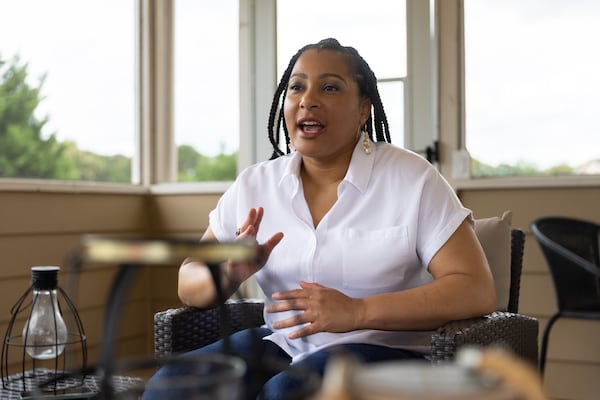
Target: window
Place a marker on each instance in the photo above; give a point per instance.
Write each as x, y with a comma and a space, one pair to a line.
185, 80
67, 89
378, 32
532, 87
206, 112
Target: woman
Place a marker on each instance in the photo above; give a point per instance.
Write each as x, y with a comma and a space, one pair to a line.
366, 247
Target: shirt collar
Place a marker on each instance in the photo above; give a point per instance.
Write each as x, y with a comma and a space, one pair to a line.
361, 165
359, 171
291, 167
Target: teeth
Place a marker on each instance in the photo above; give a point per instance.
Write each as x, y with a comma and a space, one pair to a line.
310, 123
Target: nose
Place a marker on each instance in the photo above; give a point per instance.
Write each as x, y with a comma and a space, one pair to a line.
309, 99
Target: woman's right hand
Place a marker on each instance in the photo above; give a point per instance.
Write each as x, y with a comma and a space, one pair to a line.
195, 285
239, 272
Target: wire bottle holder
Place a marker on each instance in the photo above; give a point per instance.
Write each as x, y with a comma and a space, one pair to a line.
45, 362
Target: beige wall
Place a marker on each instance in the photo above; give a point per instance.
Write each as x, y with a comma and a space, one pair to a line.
176, 215
38, 228
41, 228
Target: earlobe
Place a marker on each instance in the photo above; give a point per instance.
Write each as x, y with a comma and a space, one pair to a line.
365, 110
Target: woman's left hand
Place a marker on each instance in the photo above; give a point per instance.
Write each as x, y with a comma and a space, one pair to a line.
324, 310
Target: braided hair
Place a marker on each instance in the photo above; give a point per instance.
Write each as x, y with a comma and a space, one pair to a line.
367, 84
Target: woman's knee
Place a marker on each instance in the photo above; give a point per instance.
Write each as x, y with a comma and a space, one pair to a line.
279, 385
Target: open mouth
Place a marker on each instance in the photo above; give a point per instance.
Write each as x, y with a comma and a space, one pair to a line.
310, 127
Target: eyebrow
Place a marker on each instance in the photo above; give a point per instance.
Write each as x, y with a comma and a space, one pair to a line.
322, 76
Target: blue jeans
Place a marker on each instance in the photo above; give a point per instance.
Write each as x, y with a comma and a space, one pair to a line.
269, 375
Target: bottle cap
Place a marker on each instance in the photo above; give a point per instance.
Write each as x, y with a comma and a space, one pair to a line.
44, 277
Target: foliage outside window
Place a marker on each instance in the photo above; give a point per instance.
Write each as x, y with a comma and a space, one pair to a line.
26, 153
67, 89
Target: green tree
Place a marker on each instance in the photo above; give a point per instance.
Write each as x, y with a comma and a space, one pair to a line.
222, 167
24, 152
521, 168
95, 167
560, 169
187, 159
195, 167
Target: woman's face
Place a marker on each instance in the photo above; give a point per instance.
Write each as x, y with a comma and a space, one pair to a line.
323, 109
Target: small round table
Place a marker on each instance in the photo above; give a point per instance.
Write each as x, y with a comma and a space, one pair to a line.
91, 384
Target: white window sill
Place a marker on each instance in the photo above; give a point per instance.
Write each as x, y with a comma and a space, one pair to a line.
527, 182
190, 188
51, 186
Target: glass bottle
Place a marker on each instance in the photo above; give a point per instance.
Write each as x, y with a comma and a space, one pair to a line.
45, 332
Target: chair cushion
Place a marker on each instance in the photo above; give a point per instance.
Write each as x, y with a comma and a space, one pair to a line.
494, 236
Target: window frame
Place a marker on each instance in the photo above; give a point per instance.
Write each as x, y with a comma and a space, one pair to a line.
451, 109
435, 76
154, 166
259, 31
54, 185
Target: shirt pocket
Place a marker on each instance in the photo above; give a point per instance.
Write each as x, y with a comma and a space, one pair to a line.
375, 260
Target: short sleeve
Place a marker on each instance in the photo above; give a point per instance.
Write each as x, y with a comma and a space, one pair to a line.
223, 219
440, 214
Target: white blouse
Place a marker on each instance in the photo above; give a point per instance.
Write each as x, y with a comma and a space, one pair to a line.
394, 212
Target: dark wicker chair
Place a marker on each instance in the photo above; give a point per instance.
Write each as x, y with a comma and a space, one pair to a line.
572, 253
186, 328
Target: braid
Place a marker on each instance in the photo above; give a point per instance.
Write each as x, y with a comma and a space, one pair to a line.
274, 139
276, 110
367, 84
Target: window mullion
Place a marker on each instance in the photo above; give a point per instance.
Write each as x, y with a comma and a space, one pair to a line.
258, 77
420, 90
165, 155
157, 150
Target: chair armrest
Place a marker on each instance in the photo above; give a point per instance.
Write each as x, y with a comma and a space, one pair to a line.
516, 332
188, 328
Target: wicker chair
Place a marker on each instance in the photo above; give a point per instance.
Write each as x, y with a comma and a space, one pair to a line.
186, 328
